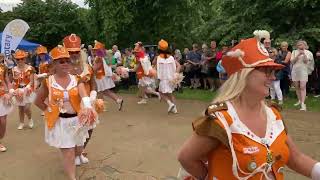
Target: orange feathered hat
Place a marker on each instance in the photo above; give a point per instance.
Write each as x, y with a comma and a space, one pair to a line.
19, 54
98, 45
249, 53
41, 50
163, 45
72, 42
59, 52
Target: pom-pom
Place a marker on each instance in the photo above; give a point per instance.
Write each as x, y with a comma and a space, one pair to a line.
115, 77
152, 73
99, 105
261, 34
87, 117
122, 72
176, 81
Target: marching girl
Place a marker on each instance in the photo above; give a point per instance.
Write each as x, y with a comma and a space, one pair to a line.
145, 73
103, 74
167, 70
23, 84
83, 71
240, 135
42, 62
5, 100
68, 111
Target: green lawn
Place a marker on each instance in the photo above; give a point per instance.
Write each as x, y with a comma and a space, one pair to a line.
313, 104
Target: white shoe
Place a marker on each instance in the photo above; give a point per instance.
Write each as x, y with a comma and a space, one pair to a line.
77, 161
171, 107
83, 159
316, 96
21, 126
175, 111
142, 101
297, 104
303, 107
31, 123
42, 114
280, 102
120, 103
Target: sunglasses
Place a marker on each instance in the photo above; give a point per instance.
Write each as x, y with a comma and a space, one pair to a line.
64, 61
20, 59
267, 71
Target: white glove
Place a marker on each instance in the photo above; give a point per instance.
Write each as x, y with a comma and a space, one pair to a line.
315, 173
86, 102
93, 95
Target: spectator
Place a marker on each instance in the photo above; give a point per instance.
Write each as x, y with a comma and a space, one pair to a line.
130, 62
186, 67
117, 55
193, 60
204, 66
213, 56
275, 89
284, 56
302, 60
267, 44
316, 73
178, 56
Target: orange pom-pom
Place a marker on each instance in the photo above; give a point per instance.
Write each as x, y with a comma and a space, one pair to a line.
153, 72
99, 105
87, 117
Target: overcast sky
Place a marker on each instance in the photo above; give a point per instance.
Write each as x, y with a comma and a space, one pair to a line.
7, 5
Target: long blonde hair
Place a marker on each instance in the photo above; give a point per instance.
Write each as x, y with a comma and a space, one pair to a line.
233, 87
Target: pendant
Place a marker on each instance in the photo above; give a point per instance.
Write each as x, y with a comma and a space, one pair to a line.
269, 157
252, 165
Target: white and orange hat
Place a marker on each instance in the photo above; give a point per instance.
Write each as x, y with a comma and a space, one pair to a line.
59, 52
41, 50
98, 45
72, 43
19, 54
249, 53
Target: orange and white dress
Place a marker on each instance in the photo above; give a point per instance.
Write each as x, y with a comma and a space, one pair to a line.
103, 76
4, 108
64, 132
242, 154
21, 81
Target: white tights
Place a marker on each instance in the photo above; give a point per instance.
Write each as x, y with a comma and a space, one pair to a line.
276, 90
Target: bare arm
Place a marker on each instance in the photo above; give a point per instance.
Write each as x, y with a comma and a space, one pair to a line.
298, 161
178, 66
82, 90
287, 59
193, 152
42, 94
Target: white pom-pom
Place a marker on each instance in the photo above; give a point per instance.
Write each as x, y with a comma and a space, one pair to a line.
235, 53
60, 46
261, 34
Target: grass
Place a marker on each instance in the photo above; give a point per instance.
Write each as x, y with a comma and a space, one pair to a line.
313, 104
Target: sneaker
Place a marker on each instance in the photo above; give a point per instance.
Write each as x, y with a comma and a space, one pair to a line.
77, 161
316, 96
31, 123
83, 159
120, 103
21, 126
303, 107
297, 104
2, 148
280, 102
142, 101
175, 111
170, 108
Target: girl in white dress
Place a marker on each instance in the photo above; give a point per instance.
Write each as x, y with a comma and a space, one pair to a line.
302, 65
5, 100
166, 69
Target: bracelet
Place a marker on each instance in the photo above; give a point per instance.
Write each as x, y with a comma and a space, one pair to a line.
315, 173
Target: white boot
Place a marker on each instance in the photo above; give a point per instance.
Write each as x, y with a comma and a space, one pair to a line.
77, 161
142, 101
21, 126
31, 123
303, 107
83, 159
297, 104
171, 106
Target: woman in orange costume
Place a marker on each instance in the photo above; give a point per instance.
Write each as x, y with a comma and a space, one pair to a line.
23, 83
5, 99
103, 74
67, 100
80, 68
240, 136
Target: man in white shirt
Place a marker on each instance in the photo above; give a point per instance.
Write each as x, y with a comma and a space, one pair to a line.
117, 54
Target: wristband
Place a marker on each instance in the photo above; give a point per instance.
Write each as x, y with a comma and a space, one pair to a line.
11, 91
86, 102
93, 95
315, 173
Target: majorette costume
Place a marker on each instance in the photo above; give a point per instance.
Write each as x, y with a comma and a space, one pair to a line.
65, 112
22, 81
5, 107
103, 74
73, 44
166, 69
241, 153
43, 67
145, 69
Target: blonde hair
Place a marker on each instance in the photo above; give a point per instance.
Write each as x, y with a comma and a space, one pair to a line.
302, 42
233, 87
284, 43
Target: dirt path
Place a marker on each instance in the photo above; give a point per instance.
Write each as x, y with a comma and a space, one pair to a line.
139, 143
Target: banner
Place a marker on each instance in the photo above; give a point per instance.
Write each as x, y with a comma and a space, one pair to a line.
12, 35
